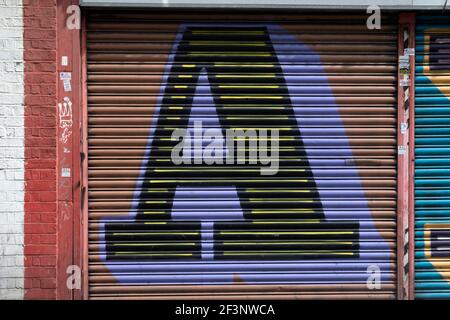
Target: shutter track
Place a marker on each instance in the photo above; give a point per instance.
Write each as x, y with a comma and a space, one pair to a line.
315, 230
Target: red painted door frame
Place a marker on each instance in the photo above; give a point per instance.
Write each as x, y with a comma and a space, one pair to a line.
68, 66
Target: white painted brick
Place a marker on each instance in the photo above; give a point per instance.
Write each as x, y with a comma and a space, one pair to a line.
14, 207
11, 282
11, 294
9, 3
10, 272
19, 132
6, 163
11, 239
11, 150
11, 185
8, 262
12, 250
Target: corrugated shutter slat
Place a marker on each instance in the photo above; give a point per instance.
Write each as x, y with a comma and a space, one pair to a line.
318, 228
432, 164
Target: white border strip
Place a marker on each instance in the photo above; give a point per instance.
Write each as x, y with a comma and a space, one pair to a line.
11, 150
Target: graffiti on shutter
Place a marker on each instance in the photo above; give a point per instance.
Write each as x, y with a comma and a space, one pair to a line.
432, 174
324, 222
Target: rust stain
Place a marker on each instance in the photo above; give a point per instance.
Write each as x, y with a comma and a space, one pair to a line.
237, 278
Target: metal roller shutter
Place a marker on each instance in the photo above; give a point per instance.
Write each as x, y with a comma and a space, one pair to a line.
322, 227
432, 174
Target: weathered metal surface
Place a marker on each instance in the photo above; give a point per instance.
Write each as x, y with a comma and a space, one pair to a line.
319, 228
432, 174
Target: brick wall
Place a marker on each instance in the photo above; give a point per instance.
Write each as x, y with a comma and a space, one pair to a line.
39, 18
11, 150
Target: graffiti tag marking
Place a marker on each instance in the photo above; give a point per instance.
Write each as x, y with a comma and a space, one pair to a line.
65, 119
